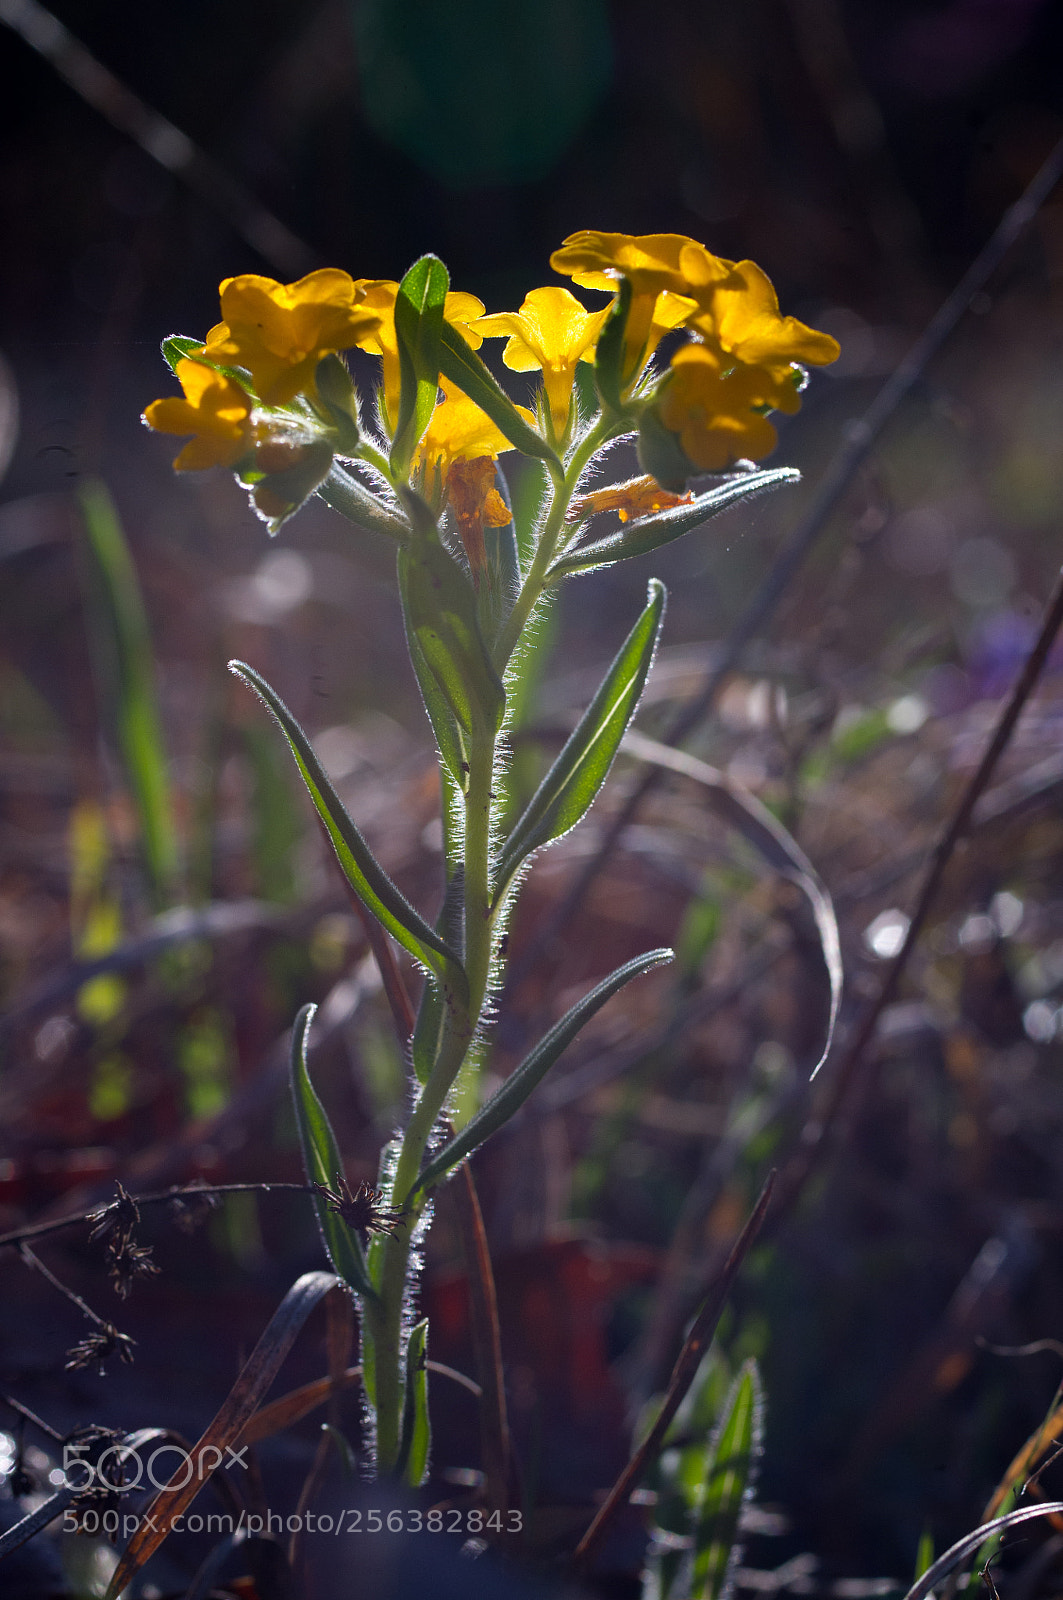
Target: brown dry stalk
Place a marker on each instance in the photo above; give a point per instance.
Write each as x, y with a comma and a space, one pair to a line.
684, 1372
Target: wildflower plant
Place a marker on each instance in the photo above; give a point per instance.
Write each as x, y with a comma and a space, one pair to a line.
268, 394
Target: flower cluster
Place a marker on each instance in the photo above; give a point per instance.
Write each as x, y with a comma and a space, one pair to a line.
746, 358
266, 395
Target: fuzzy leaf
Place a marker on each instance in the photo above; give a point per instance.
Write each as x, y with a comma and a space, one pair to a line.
323, 1163
577, 775
650, 533
416, 1427
418, 329
439, 606
362, 870
520, 1083
463, 366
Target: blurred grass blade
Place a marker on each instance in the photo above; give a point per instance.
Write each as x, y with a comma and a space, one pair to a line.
520, 1083
126, 664
323, 1163
416, 1428
730, 1465
924, 1555
363, 872
238, 1407
463, 366
575, 778
418, 329
752, 819
638, 538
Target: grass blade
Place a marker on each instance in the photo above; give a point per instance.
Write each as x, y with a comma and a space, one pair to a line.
119, 630
974, 1541
239, 1406
730, 1464
751, 818
520, 1083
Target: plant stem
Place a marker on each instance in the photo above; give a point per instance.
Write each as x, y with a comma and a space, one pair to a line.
384, 1321
532, 588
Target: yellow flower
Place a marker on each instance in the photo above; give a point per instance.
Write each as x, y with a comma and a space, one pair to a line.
462, 443
551, 331
658, 267
460, 431
740, 315
280, 332
459, 309
215, 410
715, 411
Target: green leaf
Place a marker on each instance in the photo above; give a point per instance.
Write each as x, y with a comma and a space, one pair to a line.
730, 1465
178, 348
463, 366
576, 776
126, 665
362, 870
322, 1163
924, 1555
650, 533
520, 1083
609, 351
439, 606
416, 1428
418, 329
450, 735
344, 493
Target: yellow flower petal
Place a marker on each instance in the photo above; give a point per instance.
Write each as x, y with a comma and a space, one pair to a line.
279, 332
741, 313
459, 430
215, 410
551, 331
713, 410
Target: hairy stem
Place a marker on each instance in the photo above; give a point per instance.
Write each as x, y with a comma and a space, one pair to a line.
384, 1321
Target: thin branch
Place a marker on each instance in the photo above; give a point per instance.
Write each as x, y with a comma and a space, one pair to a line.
31, 1416
158, 138
813, 1134
684, 1372
39, 1230
487, 1340
860, 437
37, 1265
